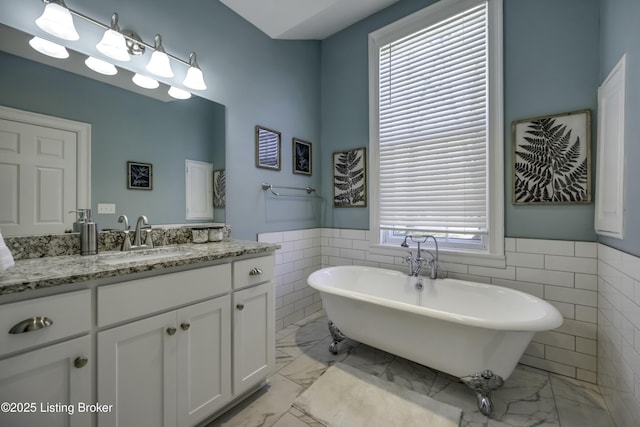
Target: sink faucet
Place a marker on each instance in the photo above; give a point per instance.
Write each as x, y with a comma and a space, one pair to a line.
416, 263
126, 243
142, 225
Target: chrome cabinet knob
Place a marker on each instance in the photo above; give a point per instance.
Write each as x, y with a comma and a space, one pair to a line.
240, 307
255, 271
80, 362
185, 326
171, 331
32, 324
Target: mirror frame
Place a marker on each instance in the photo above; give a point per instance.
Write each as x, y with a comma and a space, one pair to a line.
264, 138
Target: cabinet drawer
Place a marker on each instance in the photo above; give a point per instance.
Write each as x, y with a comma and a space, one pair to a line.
136, 298
69, 313
252, 271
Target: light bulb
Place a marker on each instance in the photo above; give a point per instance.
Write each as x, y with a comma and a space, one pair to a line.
48, 48
100, 66
178, 93
145, 82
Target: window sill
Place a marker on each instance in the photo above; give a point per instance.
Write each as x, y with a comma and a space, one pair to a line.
481, 259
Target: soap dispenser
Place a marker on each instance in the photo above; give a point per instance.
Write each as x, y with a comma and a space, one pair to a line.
88, 235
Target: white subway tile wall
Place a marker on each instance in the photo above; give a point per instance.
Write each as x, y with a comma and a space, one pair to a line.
298, 257
619, 334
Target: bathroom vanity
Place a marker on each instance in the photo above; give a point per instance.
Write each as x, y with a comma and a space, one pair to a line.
167, 337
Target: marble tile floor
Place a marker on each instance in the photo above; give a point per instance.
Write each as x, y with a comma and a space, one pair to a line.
530, 397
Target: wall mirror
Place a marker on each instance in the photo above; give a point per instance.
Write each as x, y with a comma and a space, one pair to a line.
125, 126
268, 144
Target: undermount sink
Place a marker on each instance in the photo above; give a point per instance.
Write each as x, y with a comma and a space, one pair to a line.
114, 258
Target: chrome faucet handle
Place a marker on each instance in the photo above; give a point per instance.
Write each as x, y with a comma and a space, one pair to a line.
126, 241
148, 240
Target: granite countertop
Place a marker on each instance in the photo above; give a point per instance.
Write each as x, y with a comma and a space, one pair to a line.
38, 273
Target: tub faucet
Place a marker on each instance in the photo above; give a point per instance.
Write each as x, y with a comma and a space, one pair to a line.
416, 264
142, 225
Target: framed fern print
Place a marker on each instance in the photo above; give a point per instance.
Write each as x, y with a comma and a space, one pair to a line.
552, 159
349, 178
219, 189
301, 157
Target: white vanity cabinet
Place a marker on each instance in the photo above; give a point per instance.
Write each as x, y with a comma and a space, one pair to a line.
172, 368
253, 322
45, 373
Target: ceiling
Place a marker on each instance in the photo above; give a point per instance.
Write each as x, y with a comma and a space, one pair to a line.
304, 19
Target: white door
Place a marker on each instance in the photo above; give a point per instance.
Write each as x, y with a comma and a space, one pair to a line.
253, 336
199, 189
137, 373
48, 386
204, 359
45, 171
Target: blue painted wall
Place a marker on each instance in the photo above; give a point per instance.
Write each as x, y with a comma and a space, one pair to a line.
551, 64
259, 80
620, 34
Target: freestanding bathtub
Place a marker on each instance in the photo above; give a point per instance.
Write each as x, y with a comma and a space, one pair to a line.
473, 331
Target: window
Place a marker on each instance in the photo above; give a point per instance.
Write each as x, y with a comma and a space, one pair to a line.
436, 127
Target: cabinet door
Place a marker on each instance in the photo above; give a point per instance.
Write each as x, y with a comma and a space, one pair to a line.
253, 336
204, 359
48, 382
137, 373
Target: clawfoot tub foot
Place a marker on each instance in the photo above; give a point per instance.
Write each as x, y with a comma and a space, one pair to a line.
483, 384
337, 337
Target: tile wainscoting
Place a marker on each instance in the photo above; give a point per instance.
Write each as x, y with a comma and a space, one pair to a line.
619, 333
595, 287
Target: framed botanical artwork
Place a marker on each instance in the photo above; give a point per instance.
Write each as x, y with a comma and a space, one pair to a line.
267, 148
552, 159
139, 176
349, 178
219, 189
301, 157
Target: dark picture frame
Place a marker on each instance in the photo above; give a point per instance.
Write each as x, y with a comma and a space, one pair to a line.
350, 178
268, 152
551, 159
139, 176
219, 188
301, 157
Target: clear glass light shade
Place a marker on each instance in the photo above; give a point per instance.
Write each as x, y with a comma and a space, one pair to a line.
194, 79
57, 21
159, 65
114, 46
100, 66
178, 93
145, 82
48, 48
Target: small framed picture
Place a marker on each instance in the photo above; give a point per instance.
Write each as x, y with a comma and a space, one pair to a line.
349, 178
219, 189
139, 176
301, 157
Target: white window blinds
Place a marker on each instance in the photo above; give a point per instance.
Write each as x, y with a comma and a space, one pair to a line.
433, 127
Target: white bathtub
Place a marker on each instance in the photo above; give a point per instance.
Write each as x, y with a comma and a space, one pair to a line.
458, 327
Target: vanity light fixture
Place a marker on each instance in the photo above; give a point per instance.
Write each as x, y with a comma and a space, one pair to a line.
57, 20
100, 66
113, 43
194, 78
48, 48
144, 81
176, 92
119, 45
159, 63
